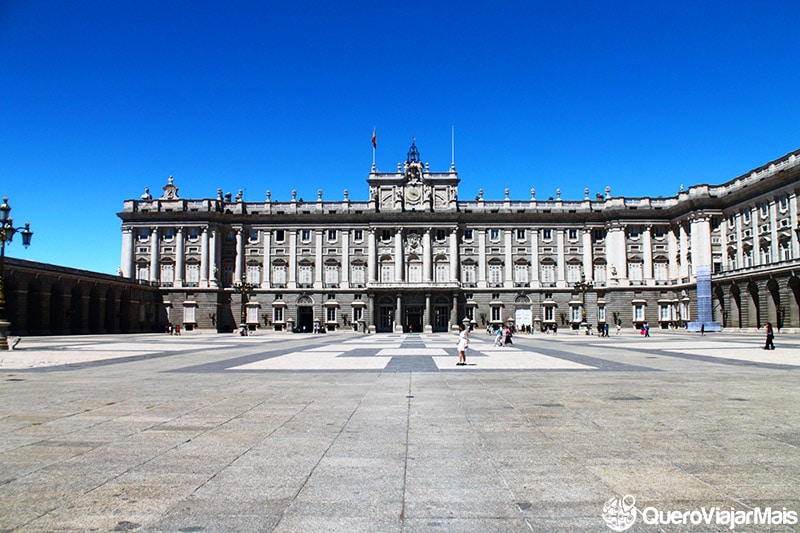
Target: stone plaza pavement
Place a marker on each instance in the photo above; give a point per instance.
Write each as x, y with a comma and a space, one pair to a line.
346, 432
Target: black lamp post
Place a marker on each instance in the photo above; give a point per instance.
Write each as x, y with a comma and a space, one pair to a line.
7, 231
583, 286
245, 290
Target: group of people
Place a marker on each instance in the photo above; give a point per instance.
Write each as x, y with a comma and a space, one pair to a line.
173, 329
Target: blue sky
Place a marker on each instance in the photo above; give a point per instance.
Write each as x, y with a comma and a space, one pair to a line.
99, 99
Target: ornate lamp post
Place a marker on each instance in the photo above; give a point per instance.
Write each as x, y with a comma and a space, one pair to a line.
7, 231
245, 290
583, 286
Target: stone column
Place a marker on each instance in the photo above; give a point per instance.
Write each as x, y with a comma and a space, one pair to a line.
372, 257
617, 254
683, 242
508, 279
793, 215
426, 320
647, 255
214, 245
345, 277
180, 257
756, 241
481, 258
560, 261
238, 268
204, 258
534, 258
126, 261
427, 254
398, 318
739, 248
588, 267
318, 266
266, 275
672, 253
454, 255
399, 271
292, 267
155, 247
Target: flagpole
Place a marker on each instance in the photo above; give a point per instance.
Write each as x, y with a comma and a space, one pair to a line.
374, 146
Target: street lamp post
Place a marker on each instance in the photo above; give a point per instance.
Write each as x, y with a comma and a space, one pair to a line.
245, 290
583, 286
7, 231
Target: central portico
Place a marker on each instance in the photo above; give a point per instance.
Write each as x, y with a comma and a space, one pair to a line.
413, 247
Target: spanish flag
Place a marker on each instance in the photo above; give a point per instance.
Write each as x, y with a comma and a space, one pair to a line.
374, 139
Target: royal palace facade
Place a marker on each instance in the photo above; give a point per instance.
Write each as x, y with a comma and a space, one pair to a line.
417, 257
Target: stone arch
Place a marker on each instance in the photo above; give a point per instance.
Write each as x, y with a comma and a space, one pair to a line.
736, 306
33, 314
752, 307
95, 316
76, 309
110, 311
57, 309
718, 311
793, 303
773, 303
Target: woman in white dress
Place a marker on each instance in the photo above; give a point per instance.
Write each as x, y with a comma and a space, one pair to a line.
462, 344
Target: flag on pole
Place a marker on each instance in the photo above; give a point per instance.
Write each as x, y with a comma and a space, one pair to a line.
374, 139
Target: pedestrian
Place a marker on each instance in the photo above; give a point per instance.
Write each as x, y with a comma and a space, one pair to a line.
606, 329
646, 329
555, 328
619, 328
703, 329
462, 344
769, 345
509, 334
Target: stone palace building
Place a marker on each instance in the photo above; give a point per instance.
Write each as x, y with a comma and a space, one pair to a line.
417, 257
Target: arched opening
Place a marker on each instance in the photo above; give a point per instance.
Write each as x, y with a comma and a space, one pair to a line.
75, 312
753, 309
33, 316
57, 310
110, 324
94, 310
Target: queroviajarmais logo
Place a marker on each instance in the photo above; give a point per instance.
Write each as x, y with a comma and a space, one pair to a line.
620, 513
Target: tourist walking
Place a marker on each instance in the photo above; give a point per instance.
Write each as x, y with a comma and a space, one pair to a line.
462, 344
769, 344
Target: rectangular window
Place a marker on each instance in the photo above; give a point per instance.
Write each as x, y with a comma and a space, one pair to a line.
573, 235
252, 314
575, 311
635, 271
495, 275
548, 313
332, 234
601, 313
664, 313
547, 234
253, 236
442, 275
441, 235
192, 275
357, 275
332, 275
189, 314
254, 274
600, 273
167, 275
521, 275
279, 275
330, 314
305, 275
280, 235
143, 273
386, 235
358, 235
548, 273
573, 273
467, 234
358, 313
468, 274
494, 234
387, 273
660, 271
305, 235
415, 273
277, 314
638, 313
496, 313
520, 234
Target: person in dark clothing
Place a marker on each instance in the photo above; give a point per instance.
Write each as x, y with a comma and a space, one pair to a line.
769, 344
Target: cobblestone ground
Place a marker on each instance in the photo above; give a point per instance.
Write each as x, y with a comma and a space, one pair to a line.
344, 432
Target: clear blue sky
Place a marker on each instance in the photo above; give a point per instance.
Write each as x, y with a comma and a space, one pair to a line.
99, 99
